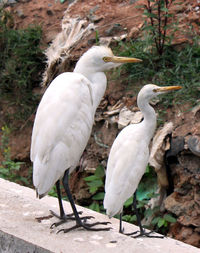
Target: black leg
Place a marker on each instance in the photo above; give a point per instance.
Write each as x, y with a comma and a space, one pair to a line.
62, 212
63, 217
142, 232
79, 222
137, 213
121, 230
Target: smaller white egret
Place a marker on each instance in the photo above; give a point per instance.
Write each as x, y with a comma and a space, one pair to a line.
129, 156
63, 124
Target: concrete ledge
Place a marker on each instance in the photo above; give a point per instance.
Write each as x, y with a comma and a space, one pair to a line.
21, 232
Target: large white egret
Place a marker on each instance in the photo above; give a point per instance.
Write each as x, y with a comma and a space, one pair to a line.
64, 120
129, 156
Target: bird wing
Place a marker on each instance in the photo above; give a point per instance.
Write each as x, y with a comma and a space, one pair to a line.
126, 165
61, 129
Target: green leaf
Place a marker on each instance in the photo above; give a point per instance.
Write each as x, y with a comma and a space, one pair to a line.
140, 6
161, 222
23, 179
150, 15
90, 178
95, 183
148, 28
155, 220
98, 196
165, 224
95, 206
129, 218
99, 172
164, 9
148, 169
142, 193
93, 189
62, 1
147, 187
129, 202
148, 212
169, 218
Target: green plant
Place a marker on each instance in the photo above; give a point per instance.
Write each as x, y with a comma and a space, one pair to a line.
157, 23
21, 66
96, 188
97, 37
53, 192
163, 222
146, 190
175, 67
9, 169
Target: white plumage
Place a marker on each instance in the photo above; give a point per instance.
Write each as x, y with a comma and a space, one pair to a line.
129, 153
62, 128
65, 116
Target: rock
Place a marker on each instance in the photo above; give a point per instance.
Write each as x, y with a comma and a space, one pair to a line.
49, 12
194, 145
178, 8
172, 205
176, 146
185, 199
193, 17
95, 19
134, 32
185, 234
126, 117
7, 2
20, 13
190, 162
113, 30
184, 209
105, 41
133, 1
183, 129
159, 146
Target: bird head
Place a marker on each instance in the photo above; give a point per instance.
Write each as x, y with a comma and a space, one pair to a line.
101, 58
151, 90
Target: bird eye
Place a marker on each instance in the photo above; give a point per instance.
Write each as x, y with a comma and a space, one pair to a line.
106, 59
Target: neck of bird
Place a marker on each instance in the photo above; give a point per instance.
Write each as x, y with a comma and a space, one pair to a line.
149, 115
98, 83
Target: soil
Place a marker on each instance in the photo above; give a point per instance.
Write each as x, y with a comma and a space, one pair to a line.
113, 18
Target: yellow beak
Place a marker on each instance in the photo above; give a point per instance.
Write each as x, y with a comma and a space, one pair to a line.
117, 59
167, 88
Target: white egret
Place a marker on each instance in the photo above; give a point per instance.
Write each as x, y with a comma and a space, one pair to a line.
64, 120
129, 156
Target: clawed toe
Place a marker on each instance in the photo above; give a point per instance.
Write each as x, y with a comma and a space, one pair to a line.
145, 234
39, 219
142, 233
87, 226
65, 218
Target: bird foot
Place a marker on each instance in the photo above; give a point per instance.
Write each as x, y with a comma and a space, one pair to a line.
65, 218
141, 234
39, 219
145, 234
87, 226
